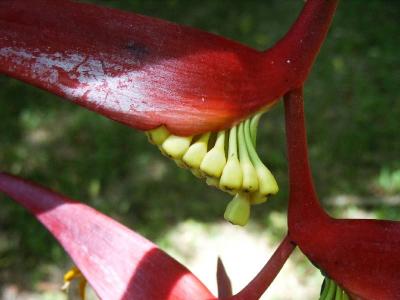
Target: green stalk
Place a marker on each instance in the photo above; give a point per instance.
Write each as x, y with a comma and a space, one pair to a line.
232, 178
243, 154
267, 182
254, 126
331, 291
326, 285
232, 149
255, 159
339, 293
250, 179
214, 161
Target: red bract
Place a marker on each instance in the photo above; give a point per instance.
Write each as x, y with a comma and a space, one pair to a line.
362, 256
118, 263
146, 72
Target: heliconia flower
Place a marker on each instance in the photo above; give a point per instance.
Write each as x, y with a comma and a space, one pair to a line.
119, 263
199, 96
361, 256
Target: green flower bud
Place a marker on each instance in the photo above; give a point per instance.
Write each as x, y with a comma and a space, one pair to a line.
158, 135
238, 210
212, 181
196, 152
231, 179
257, 198
176, 146
214, 161
250, 180
266, 181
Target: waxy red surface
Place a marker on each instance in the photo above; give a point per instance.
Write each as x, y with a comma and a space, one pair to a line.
362, 256
145, 72
118, 263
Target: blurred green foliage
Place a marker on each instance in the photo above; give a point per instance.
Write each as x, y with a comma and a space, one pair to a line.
352, 106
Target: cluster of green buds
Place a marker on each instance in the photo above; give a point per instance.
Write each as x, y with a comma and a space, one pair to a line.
227, 160
332, 291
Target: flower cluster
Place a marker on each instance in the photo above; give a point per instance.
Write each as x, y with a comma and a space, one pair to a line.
227, 160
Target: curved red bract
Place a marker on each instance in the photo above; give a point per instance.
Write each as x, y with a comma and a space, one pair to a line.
145, 72
117, 262
362, 256
121, 264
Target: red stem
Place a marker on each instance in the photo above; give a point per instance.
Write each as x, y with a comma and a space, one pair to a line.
303, 203
264, 278
297, 50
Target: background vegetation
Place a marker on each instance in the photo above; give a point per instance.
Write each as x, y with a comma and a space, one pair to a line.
352, 105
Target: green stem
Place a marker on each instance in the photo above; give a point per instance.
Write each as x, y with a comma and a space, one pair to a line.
326, 285
232, 150
220, 142
331, 291
345, 296
250, 146
254, 126
339, 292
244, 155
